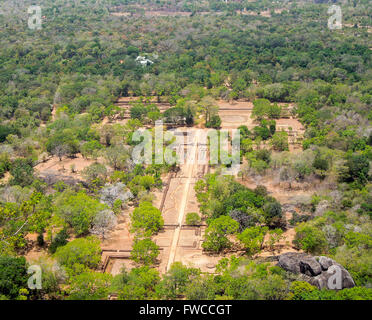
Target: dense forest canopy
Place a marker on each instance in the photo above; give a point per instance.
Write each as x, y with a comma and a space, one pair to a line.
59, 87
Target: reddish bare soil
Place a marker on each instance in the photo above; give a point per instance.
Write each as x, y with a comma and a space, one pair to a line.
154, 14
116, 248
63, 168
177, 241
36, 252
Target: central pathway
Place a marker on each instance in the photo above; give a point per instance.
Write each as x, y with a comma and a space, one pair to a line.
188, 169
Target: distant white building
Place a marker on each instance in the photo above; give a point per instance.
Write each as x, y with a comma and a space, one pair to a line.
143, 61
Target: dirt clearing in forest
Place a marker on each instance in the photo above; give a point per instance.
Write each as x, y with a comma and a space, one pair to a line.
153, 14
67, 168
178, 241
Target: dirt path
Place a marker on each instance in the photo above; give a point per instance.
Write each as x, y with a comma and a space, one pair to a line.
178, 241
189, 171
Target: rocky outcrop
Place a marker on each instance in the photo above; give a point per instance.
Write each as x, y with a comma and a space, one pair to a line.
321, 271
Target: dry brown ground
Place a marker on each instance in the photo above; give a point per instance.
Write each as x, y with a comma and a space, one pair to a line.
349, 25
35, 253
163, 13
154, 14
63, 168
239, 113
284, 196
266, 13
6, 178
115, 121
182, 243
168, 13
121, 239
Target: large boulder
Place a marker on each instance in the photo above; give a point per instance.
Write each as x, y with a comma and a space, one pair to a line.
321, 271
300, 263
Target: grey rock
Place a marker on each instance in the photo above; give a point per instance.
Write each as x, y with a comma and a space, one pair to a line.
321, 271
300, 263
324, 262
321, 208
328, 279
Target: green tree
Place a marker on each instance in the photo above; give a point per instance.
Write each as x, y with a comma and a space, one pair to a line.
264, 155
147, 182
13, 276
193, 219
310, 238
279, 141
153, 116
52, 276
138, 284
189, 117
272, 212
31, 215
58, 241
175, 281
22, 172
260, 108
274, 111
209, 108
358, 168
253, 239
89, 285
175, 115
201, 288
63, 142
78, 210
146, 219
96, 174
144, 251
214, 122
6, 130
91, 149
118, 157
262, 131
138, 111
4, 164
80, 255
299, 290
320, 163
275, 236
217, 232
